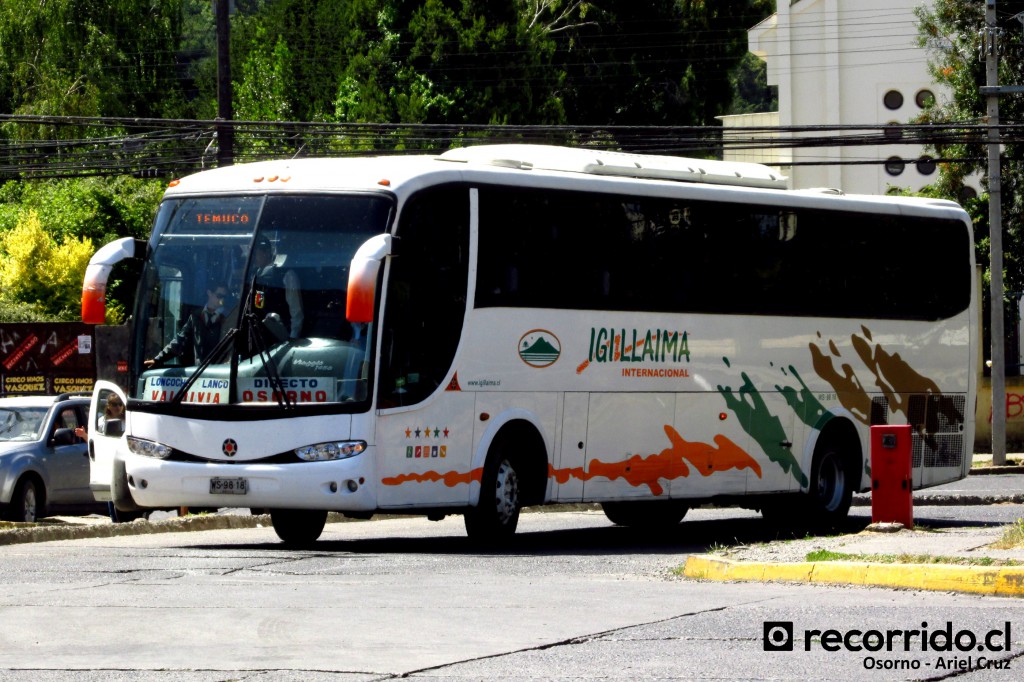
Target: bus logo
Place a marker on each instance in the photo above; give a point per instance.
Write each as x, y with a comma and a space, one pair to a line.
230, 447
539, 348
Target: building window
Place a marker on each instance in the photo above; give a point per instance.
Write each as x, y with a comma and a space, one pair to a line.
924, 98
926, 165
894, 165
893, 131
893, 100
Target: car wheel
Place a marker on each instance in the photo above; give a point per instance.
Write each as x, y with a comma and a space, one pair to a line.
497, 513
298, 527
645, 514
26, 502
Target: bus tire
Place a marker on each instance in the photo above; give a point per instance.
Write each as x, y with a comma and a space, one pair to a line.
298, 527
496, 515
645, 514
118, 516
831, 490
27, 501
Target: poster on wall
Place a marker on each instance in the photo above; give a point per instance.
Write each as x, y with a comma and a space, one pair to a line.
46, 358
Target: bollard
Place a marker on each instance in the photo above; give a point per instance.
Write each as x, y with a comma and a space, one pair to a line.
892, 475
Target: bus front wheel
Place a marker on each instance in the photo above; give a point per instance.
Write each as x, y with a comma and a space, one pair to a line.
645, 514
497, 513
298, 527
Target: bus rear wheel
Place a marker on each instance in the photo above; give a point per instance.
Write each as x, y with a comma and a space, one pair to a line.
497, 513
645, 514
831, 490
298, 527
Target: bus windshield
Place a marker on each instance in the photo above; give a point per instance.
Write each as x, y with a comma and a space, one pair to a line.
243, 300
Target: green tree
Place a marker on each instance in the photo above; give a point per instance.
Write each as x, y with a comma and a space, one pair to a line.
655, 62
951, 31
88, 58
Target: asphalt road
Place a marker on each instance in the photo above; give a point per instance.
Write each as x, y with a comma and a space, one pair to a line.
575, 598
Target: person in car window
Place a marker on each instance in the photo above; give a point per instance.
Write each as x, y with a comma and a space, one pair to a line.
114, 410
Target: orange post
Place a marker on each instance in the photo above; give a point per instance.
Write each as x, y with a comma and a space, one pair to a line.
892, 475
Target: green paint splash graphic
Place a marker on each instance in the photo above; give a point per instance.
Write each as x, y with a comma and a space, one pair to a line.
808, 409
763, 426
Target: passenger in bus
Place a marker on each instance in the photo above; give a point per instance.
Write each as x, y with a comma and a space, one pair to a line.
276, 290
201, 331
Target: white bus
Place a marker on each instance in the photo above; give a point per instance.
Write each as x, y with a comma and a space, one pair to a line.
512, 325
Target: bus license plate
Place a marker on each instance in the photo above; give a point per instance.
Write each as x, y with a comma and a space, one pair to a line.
229, 486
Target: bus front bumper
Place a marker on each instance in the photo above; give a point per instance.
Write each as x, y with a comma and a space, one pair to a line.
342, 485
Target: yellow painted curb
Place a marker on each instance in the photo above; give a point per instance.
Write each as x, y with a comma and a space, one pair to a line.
1006, 581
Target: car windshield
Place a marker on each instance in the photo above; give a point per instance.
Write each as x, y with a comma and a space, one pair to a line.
21, 423
243, 300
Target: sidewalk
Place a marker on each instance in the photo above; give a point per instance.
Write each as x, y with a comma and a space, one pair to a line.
937, 552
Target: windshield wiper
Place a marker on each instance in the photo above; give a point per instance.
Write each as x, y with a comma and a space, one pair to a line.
213, 355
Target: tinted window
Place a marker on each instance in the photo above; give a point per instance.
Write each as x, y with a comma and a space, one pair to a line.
426, 295
553, 249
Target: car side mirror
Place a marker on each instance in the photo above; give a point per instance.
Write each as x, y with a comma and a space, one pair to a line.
113, 427
64, 437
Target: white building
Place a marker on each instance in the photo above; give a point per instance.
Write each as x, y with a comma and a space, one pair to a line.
843, 62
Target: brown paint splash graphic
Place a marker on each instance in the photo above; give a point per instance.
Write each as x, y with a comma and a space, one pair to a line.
848, 388
896, 379
449, 478
891, 371
670, 463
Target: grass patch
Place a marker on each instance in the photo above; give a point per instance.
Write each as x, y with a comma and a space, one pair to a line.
1013, 536
828, 555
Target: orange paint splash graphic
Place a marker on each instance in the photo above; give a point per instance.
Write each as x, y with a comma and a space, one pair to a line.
638, 470
449, 478
669, 464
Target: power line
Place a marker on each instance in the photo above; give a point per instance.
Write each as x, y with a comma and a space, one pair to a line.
88, 146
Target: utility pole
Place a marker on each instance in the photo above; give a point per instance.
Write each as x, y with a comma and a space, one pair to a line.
225, 110
990, 45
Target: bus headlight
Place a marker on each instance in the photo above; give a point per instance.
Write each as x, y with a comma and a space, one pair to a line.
148, 448
323, 452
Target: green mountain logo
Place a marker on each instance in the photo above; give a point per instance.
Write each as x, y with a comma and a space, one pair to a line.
539, 348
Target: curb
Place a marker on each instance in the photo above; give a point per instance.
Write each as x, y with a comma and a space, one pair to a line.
993, 470
864, 500
1007, 581
42, 532
35, 533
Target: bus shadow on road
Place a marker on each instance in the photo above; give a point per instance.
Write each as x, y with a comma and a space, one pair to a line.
688, 537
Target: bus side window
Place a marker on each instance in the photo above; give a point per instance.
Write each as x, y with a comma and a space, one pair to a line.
426, 295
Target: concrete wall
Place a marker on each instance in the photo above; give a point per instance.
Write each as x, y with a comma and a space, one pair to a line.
1014, 415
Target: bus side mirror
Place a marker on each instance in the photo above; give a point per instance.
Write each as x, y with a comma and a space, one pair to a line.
362, 278
94, 287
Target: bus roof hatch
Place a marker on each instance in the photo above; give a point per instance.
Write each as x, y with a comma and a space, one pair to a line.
599, 162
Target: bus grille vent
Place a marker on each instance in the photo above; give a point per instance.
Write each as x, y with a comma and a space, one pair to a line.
938, 426
879, 411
